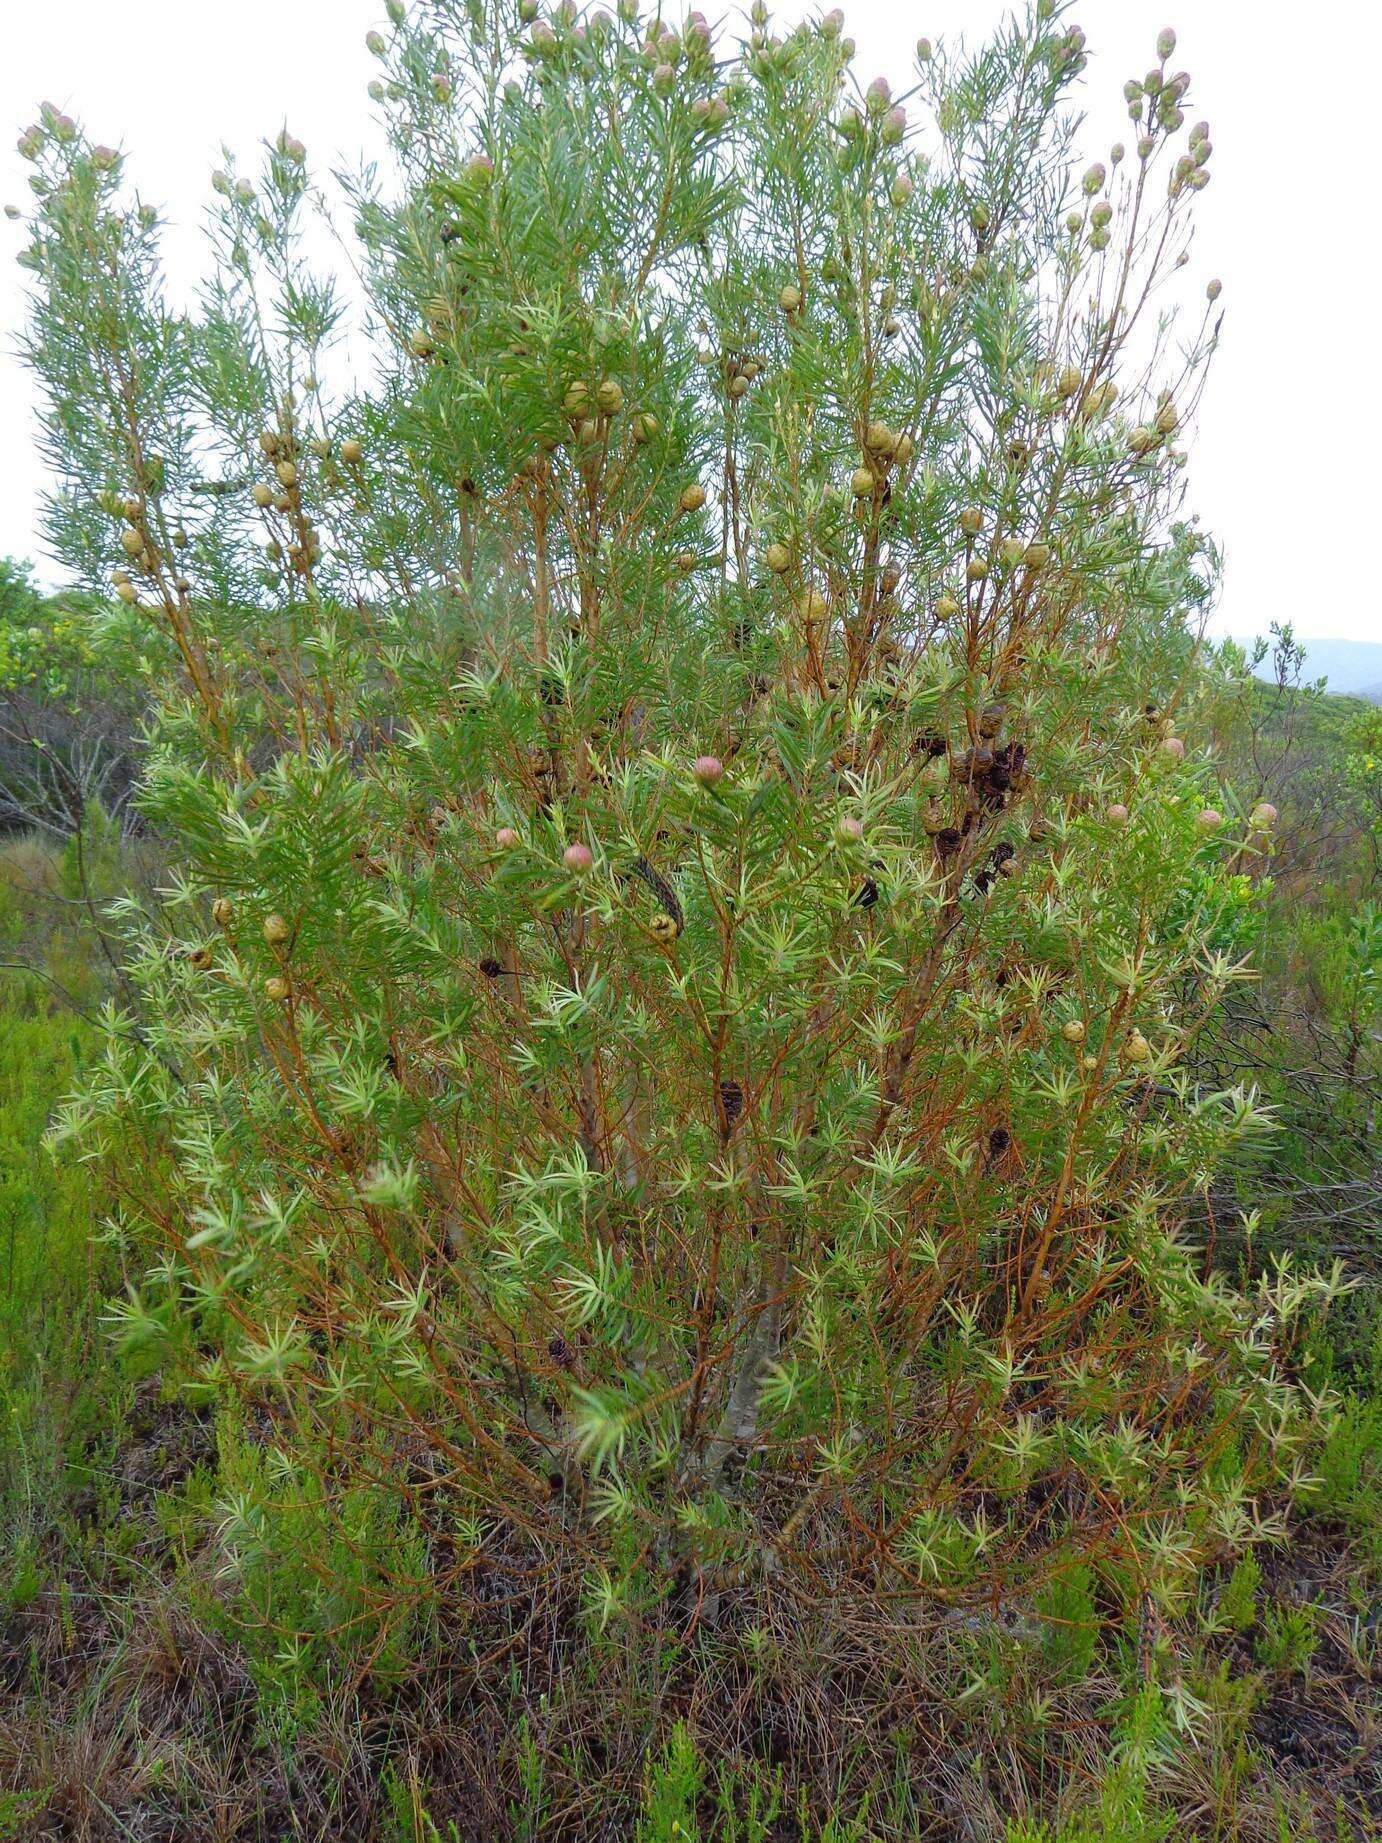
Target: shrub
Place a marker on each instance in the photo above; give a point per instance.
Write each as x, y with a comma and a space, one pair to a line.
692, 904
1348, 1467
1238, 1601
1068, 1610
1287, 1638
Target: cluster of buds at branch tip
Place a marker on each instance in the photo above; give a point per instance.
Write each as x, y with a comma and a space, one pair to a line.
62, 127
711, 112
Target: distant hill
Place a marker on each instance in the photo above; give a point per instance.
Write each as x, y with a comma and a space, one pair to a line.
1352, 667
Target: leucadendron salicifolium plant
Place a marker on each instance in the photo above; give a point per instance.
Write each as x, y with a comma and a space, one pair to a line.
696, 890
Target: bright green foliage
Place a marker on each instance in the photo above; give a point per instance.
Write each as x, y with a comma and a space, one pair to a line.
56, 1381
671, 1022
20, 605
41, 645
1122, 1812
1071, 1624
1348, 1470
1238, 1601
673, 1787
1286, 1638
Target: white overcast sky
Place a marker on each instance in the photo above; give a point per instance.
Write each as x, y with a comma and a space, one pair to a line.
1285, 467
